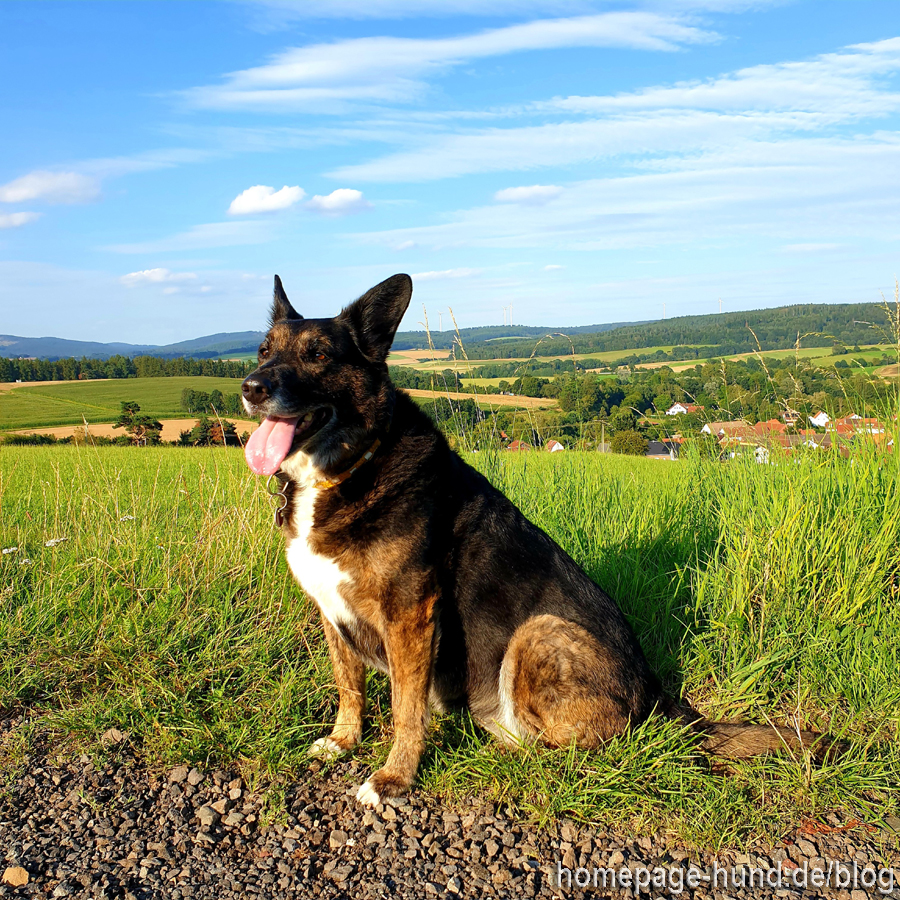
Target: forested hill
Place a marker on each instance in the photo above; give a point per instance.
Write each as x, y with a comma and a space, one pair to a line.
492, 335
816, 325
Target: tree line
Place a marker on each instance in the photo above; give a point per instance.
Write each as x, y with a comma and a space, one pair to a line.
212, 402
71, 369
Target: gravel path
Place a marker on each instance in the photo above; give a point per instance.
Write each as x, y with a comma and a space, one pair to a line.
76, 830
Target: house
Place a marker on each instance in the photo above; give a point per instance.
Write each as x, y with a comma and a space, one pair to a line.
518, 445
854, 424
677, 409
771, 426
728, 431
820, 419
662, 450
791, 417
554, 446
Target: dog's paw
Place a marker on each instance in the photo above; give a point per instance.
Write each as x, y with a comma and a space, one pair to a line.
367, 795
326, 748
381, 785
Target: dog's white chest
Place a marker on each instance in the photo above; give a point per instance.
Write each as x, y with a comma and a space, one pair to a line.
319, 576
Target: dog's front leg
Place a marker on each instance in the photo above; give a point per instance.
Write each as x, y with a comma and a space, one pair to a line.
410, 647
350, 677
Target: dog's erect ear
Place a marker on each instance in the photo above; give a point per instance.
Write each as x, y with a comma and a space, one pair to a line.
374, 318
281, 306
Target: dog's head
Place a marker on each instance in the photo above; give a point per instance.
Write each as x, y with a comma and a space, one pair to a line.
323, 384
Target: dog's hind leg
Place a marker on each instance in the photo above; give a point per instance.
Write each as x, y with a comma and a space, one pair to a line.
350, 677
410, 648
559, 683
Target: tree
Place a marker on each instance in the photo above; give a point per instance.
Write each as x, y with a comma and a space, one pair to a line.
201, 433
631, 443
623, 420
141, 430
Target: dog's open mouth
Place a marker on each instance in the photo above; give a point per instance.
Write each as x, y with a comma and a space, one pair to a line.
271, 443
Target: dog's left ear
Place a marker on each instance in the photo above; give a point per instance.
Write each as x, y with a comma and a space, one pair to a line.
374, 318
281, 306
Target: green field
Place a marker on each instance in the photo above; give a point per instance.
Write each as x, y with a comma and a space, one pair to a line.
760, 592
98, 401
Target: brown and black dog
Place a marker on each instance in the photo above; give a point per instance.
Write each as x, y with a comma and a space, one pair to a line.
425, 571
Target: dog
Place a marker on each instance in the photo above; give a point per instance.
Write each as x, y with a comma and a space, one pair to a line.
423, 570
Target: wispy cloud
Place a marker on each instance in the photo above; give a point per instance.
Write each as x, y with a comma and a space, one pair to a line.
262, 198
17, 219
342, 202
391, 69
156, 276
662, 125
536, 194
51, 187
213, 234
795, 190
445, 274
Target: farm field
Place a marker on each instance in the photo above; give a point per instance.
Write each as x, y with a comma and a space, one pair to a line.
65, 403
818, 356
760, 592
425, 361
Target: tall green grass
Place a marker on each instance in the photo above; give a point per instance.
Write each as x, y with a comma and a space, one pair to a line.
768, 593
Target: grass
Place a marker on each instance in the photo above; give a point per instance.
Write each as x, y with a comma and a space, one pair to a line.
765, 592
98, 401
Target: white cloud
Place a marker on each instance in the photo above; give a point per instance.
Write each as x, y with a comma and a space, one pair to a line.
406, 245
553, 268
156, 276
810, 248
535, 194
342, 202
392, 69
51, 187
262, 198
839, 84
212, 234
279, 13
794, 191
660, 125
444, 275
14, 220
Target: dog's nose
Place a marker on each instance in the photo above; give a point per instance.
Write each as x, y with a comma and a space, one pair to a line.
256, 388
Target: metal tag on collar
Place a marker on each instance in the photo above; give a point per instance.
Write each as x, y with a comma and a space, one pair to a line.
281, 492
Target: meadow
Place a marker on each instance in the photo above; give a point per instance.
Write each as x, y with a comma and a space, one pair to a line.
43, 405
767, 593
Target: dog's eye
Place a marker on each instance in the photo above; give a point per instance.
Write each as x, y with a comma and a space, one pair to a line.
263, 352
320, 356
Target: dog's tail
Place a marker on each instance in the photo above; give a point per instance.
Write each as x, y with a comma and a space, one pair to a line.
742, 740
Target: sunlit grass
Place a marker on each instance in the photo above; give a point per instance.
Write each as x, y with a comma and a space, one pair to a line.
762, 592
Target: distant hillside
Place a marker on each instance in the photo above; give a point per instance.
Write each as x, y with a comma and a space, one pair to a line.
488, 334
212, 345
242, 343
816, 325
58, 348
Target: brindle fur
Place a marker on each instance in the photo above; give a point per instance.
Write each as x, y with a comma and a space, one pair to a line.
449, 588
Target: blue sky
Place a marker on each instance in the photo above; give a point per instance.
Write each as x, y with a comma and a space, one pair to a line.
583, 161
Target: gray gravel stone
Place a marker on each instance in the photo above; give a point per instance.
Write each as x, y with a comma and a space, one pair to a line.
113, 829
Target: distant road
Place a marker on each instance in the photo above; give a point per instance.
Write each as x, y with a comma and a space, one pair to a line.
9, 385
171, 428
490, 399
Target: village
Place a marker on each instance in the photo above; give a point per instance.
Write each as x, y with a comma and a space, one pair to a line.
736, 437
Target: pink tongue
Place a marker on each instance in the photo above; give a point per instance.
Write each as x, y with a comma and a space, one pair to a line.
269, 445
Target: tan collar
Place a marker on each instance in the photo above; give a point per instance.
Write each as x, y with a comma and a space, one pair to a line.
327, 483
